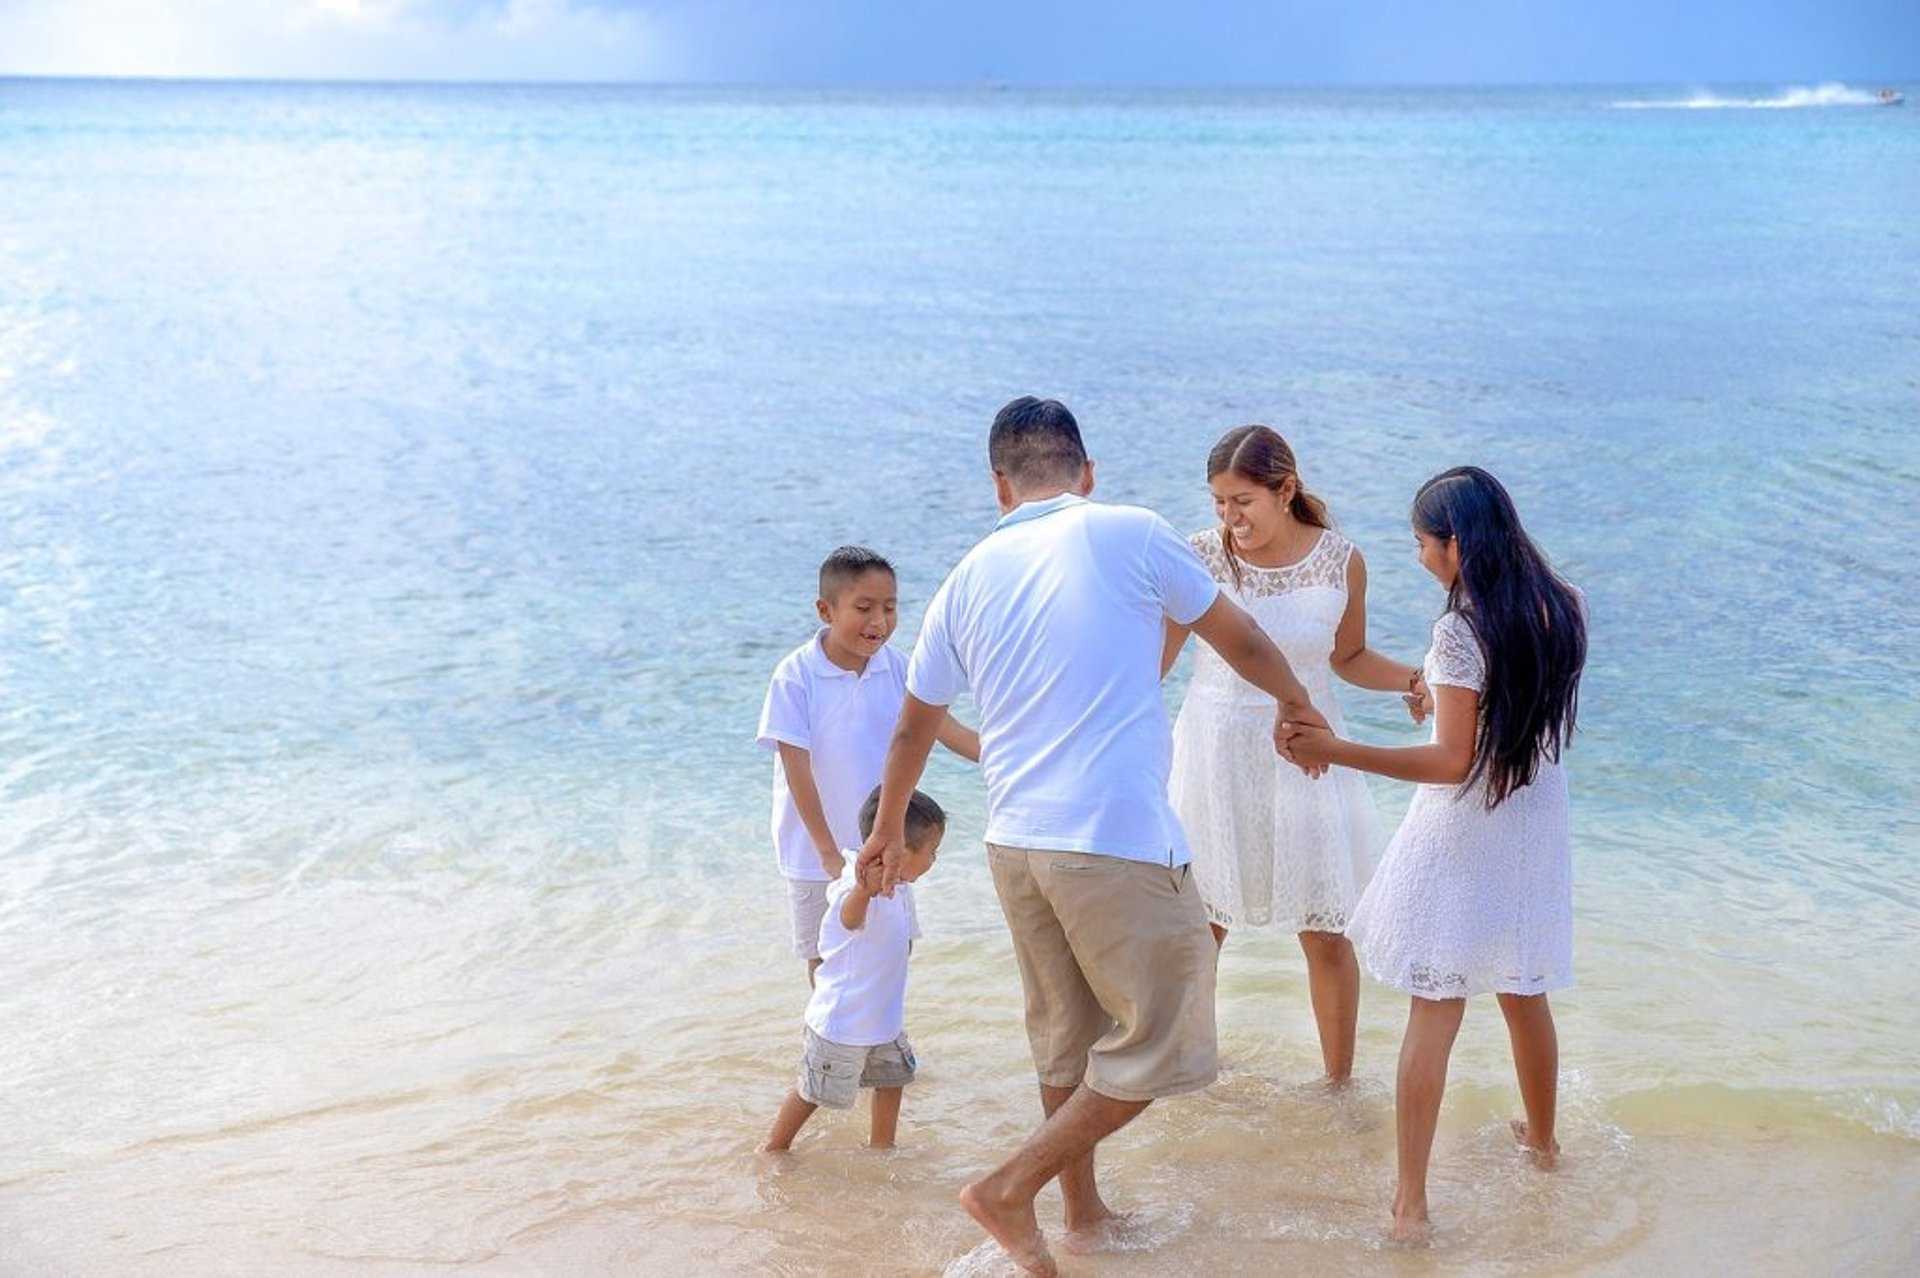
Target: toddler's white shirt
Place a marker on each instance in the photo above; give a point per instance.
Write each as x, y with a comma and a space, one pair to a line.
860, 990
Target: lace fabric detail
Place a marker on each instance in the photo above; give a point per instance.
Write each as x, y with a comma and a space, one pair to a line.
1324, 566
1455, 658
1470, 901
1271, 846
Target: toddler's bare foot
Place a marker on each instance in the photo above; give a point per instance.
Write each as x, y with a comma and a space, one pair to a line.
1011, 1225
1116, 1231
1544, 1158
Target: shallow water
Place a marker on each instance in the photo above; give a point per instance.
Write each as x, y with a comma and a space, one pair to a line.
408, 491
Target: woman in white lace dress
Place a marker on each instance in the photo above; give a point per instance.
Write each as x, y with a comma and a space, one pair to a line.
1270, 844
1475, 893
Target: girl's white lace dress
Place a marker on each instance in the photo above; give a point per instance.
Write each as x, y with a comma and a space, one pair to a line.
1269, 844
1468, 901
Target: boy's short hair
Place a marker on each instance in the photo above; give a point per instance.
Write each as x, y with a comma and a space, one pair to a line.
924, 818
840, 569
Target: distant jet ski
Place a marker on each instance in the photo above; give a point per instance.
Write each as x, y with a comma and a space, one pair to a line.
1890, 97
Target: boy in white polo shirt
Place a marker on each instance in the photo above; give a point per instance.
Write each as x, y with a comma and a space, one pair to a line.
828, 716
856, 1024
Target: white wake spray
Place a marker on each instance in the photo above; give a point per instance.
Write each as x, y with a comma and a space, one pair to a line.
1825, 95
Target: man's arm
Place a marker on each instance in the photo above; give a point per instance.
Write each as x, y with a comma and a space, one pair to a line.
798, 766
1243, 645
913, 737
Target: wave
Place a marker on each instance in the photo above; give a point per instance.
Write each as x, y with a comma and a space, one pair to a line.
1825, 95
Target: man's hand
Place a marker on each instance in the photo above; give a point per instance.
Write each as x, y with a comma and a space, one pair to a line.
1296, 712
882, 851
1311, 746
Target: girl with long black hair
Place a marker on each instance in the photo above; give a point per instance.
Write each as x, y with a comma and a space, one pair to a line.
1475, 893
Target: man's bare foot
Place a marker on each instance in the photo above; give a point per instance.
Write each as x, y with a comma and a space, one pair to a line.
1012, 1226
1543, 1158
1115, 1231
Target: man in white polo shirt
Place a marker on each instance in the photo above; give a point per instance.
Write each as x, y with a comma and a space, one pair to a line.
1055, 622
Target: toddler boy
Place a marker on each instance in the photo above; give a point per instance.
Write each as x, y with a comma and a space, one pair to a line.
855, 1022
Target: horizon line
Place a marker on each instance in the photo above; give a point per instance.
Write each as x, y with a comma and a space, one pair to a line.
984, 84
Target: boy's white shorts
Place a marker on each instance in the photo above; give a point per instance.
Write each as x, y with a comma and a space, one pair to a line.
807, 903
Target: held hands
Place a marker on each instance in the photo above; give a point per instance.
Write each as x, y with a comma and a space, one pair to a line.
867, 878
1311, 746
1418, 697
881, 854
1292, 715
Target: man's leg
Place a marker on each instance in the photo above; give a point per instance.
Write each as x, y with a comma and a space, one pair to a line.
1085, 1210
1002, 1200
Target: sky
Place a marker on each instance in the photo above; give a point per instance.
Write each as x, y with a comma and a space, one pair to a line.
963, 42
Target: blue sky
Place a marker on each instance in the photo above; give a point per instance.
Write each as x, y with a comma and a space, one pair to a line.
1025, 42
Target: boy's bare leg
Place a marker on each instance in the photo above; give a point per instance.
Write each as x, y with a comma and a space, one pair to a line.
813, 967
794, 1112
1536, 1063
1432, 1026
886, 1117
1002, 1200
1333, 985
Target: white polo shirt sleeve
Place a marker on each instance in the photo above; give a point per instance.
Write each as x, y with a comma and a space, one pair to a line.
785, 715
934, 673
1187, 588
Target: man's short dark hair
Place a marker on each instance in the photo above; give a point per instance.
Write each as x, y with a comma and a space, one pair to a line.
925, 819
1036, 441
845, 565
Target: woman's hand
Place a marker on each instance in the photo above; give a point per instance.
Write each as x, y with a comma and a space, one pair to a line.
1418, 698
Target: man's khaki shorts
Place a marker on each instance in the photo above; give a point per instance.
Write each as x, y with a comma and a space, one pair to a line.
1118, 966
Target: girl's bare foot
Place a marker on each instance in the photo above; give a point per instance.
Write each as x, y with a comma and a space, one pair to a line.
1543, 1158
1012, 1226
1410, 1231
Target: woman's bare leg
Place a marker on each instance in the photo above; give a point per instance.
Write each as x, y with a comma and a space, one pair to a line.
1333, 984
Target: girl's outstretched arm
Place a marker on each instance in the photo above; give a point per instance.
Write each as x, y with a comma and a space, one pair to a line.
1446, 760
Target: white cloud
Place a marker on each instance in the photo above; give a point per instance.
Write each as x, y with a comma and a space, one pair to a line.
337, 39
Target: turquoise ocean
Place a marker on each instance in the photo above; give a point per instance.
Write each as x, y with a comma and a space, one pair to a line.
405, 493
